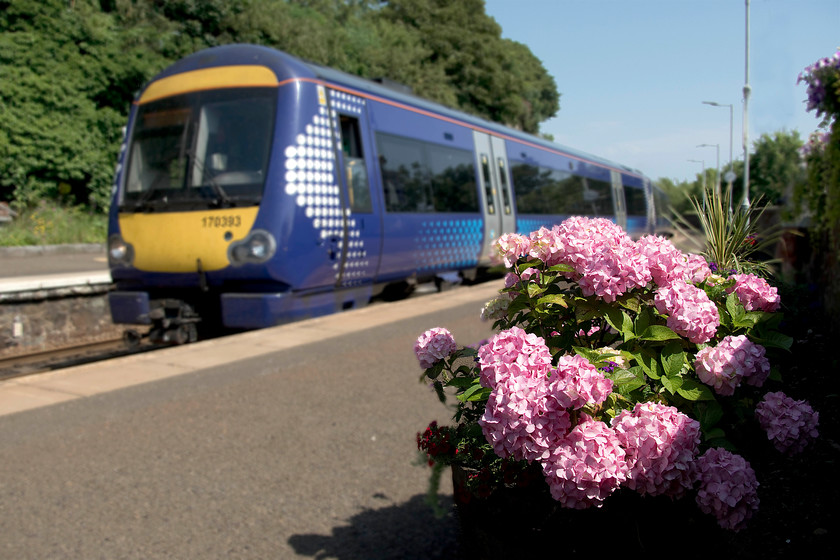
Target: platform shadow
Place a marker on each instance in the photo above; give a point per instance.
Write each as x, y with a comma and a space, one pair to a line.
408, 531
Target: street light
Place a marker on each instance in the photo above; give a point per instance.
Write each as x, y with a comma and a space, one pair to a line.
717, 152
730, 175
745, 202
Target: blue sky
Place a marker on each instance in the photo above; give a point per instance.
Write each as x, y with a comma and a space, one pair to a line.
633, 73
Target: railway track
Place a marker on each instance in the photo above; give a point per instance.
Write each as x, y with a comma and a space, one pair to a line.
49, 360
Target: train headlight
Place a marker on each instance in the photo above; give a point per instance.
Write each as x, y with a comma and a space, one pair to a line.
258, 247
120, 252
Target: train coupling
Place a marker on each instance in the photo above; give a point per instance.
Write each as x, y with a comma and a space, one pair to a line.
173, 322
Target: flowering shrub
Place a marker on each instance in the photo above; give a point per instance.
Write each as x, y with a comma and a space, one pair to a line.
618, 363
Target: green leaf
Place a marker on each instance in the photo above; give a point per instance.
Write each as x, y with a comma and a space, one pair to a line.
561, 268
535, 289
734, 308
673, 359
709, 413
474, 393
553, 299
625, 381
693, 391
620, 321
629, 301
439, 390
672, 384
642, 321
659, 332
775, 340
460, 382
650, 364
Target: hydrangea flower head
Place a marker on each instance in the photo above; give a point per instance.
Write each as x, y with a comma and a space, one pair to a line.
734, 359
496, 308
511, 246
728, 488
689, 310
513, 353
755, 294
576, 382
666, 262
791, 425
519, 420
606, 261
433, 346
586, 467
698, 269
661, 445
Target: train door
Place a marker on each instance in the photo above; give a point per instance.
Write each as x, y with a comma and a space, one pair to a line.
357, 258
619, 206
495, 190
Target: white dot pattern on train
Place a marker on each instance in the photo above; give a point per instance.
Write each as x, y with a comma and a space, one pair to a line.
312, 181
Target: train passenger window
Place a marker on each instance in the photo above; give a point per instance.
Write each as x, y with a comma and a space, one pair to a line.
420, 176
542, 190
355, 172
503, 180
488, 184
636, 201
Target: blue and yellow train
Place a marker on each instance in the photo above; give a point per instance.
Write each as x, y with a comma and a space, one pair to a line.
254, 188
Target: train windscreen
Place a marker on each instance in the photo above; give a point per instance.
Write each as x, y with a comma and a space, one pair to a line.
199, 150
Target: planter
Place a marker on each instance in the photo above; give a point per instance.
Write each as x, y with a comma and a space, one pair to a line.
523, 521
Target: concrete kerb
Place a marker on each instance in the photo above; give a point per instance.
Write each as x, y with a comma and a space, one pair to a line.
257, 347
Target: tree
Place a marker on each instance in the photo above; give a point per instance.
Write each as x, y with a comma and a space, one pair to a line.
776, 168
492, 77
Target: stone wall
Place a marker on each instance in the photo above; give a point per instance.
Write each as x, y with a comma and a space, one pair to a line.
50, 319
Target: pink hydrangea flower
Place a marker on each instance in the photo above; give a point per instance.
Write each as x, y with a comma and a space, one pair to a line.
544, 245
698, 268
666, 262
755, 294
728, 488
587, 467
520, 421
604, 257
791, 425
513, 353
689, 310
734, 359
661, 444
433, 346
577, 383
511, 246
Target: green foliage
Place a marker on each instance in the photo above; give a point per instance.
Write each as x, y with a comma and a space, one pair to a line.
733, 238
70, 70
492, 77
626, 337
54, 224
776, 167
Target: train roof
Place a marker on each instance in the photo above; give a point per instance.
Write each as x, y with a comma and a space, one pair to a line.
289, 67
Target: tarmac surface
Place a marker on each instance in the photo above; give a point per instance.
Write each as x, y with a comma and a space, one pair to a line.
291, 442
16, 262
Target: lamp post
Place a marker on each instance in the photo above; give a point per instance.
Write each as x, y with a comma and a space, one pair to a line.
747, 90
717, 176
730, 175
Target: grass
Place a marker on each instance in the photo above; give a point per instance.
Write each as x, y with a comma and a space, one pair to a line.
53, 224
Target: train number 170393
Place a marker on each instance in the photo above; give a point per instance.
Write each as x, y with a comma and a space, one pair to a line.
230, 221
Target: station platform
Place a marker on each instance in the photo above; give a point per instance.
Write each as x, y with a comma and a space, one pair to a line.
72, 268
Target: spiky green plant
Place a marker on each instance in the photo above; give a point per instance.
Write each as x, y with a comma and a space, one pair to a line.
732, 239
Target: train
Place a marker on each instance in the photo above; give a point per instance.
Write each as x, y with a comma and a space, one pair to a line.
254, 188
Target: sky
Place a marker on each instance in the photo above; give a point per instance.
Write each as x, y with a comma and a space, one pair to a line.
633, 74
